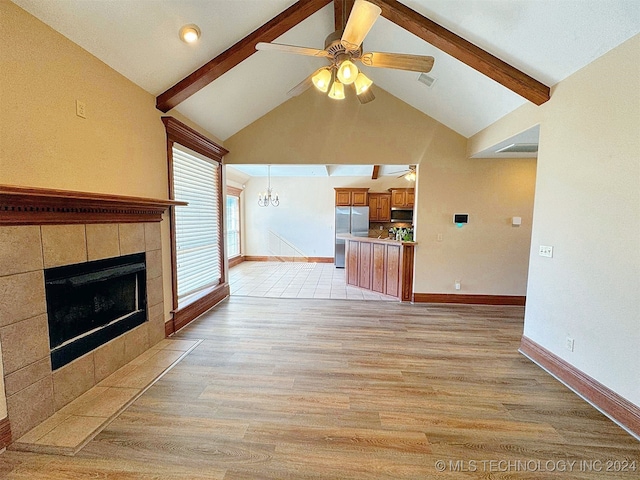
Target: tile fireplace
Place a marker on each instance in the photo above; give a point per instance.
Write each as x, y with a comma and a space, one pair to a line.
55, 245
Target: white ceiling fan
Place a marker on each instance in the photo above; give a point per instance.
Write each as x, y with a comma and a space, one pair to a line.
342, 48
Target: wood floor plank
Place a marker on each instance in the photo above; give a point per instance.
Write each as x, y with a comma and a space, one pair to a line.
324, 390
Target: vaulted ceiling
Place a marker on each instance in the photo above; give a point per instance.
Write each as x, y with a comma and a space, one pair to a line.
491, 56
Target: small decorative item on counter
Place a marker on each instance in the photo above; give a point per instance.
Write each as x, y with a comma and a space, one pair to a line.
401, 234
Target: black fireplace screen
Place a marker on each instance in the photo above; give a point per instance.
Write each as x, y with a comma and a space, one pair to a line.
90, 303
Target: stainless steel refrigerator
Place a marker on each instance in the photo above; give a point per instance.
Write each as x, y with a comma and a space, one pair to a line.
349, 221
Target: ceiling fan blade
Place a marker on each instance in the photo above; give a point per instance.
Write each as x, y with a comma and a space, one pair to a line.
400, 61
366, 96
280, 47
363, 16
302, 87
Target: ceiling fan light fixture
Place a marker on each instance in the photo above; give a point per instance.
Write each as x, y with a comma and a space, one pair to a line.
362, 83
347, 72
322, 79
189, 33
411, 174
337, 91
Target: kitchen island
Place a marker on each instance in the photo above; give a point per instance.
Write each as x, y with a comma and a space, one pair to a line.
380, 265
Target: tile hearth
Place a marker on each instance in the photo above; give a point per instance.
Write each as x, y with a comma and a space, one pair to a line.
71, 427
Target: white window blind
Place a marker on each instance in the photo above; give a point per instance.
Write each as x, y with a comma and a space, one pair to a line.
198, 233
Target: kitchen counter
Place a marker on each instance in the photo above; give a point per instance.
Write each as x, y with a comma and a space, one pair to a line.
372, 239
390, 240
381, 265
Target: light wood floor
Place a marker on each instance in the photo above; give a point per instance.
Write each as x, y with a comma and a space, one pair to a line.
320, 389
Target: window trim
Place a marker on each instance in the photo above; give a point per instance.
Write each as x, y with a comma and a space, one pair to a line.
191, 307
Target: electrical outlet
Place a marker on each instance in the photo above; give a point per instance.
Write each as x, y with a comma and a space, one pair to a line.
457, 284
569, 343
81, 109
545, 251
439, 237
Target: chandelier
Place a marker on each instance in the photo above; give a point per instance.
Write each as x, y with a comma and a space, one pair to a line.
269, 197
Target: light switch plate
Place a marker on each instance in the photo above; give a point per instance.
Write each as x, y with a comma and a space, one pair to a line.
81, 109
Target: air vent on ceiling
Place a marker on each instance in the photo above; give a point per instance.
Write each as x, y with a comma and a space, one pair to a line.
428, 80
519, 148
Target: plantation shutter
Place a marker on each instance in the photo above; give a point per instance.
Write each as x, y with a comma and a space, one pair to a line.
198, 232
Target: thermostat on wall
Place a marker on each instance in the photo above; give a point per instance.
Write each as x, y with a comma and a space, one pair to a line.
460, 218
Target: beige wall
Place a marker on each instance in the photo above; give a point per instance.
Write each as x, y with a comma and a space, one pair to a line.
587, 206
488, 256
119, 148
312, 128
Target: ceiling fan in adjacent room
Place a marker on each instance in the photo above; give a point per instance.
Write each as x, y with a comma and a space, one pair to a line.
409, 174
344, 47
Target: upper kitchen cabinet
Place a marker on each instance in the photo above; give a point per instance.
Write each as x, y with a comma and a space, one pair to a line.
402, 197
352, 197
379, 207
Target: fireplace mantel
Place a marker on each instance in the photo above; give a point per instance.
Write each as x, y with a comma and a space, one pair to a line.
41, 206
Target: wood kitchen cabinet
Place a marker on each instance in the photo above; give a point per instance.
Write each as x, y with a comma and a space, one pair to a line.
379, 207
402, 197
383, 266
352, 197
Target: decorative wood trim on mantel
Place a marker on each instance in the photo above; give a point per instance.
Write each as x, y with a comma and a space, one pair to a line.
607, 401
43, 206
5, 433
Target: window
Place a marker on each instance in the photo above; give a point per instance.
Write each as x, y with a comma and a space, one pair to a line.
195, 180
233, 222
198, 275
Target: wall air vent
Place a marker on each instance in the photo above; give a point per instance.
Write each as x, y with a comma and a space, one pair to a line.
428, 80
519, 148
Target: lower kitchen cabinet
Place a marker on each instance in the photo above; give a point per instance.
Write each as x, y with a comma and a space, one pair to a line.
392, 271
382, 266
378, 275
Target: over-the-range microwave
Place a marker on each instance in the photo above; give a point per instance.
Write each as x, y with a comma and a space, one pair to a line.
404, 215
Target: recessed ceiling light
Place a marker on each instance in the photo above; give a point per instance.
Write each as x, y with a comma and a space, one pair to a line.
189, 33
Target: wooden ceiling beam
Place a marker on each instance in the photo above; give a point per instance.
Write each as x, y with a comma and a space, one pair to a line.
338, 13
465, 51
242, 50
342, 9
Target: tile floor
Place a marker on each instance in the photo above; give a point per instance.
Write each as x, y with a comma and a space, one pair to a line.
71, 427
296, 280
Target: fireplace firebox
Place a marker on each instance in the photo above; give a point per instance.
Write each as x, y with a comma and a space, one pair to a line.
90, 303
